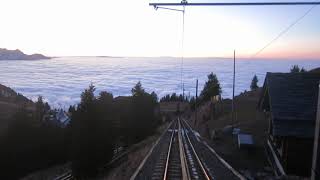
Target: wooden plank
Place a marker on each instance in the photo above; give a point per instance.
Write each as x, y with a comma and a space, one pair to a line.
279, 165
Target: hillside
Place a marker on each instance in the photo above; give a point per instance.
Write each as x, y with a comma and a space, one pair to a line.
214, 123
316, 70
10, 101
6, 54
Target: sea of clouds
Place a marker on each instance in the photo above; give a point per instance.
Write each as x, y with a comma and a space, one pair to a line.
61, 80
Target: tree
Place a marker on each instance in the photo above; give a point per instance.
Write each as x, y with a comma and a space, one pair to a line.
254, 83
143, 117
165, 98
92, 140
154, 96
211, 88
192, 103
174, 97
137, 90
40, 108
296, 69
30, 143
47, 107
105, 97
71, 109
87, 97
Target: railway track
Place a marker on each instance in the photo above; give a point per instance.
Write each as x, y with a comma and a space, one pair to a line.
196, 167
180, 154
173, 158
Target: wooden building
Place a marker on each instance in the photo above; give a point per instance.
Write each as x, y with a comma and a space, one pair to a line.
289, 101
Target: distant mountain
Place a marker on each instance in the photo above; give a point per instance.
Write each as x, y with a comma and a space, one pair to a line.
6, 54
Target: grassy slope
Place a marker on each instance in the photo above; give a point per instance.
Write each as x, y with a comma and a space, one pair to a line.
9, 105
248, 119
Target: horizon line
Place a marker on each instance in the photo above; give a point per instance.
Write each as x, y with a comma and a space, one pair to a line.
191, 57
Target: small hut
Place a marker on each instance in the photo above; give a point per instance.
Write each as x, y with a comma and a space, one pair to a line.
289, 101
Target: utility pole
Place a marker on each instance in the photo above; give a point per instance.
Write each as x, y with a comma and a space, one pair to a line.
183, 91
196, 105
233, 87
316, 147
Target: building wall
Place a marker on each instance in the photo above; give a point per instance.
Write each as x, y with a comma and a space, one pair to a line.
297, 156
294, 154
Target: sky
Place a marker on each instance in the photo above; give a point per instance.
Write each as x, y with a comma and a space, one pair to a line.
133, 28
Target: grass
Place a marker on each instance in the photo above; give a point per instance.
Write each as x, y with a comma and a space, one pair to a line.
248, 118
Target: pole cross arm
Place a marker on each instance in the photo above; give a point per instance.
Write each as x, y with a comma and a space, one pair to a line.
238, 4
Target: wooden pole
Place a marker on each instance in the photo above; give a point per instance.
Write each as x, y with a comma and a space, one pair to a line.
196, 105
315, 159
233, 86
183, 91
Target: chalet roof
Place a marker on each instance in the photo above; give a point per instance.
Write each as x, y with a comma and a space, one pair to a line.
292, 100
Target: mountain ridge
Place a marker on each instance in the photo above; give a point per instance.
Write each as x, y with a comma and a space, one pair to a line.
6, 54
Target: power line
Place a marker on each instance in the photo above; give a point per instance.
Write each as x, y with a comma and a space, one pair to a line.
185, 3
182, 39
284, 31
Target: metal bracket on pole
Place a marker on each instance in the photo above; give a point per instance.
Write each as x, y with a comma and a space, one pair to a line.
157, 7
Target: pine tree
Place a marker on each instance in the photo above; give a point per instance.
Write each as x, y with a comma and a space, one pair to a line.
40, 109
211, 88
154, 96
143, 105
137, 90
296, 69
92, 139
254, 83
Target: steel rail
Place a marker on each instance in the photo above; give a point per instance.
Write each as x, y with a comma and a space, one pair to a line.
238, 4
183, 158
235, 172
168, 155
135, 174
204, 171
65, 176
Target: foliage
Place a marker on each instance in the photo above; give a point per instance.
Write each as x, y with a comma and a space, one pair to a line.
296, 69
137, 90
254, 83
100, 122
192, 103
92, 138
30, 145
143, 117
211, 88
173, 97
41, 108
71, 109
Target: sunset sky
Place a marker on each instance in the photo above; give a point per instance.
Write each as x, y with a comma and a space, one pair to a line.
132, 28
